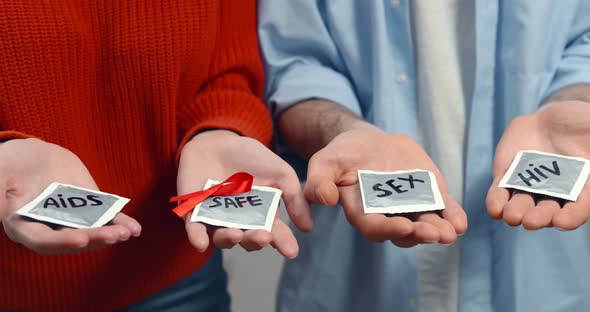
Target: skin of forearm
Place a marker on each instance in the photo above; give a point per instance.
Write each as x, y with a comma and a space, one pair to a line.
577, 92
310, 125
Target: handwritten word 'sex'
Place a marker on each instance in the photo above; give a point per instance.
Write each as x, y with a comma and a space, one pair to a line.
398, 188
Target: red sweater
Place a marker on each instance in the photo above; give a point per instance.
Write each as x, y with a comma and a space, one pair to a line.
123, 84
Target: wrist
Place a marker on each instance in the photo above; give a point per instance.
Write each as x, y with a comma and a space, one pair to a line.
209, 137
311, 125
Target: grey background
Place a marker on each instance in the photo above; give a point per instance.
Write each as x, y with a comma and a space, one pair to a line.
420, 194
261, 268
86, 215
562, 184
251, 215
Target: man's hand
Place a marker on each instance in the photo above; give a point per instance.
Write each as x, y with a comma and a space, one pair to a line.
561, 128
27, 167
218, 154
332, 177
339, 143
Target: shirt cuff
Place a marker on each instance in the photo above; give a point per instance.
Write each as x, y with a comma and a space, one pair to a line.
305, 82
237, 111
13, 135
573, 70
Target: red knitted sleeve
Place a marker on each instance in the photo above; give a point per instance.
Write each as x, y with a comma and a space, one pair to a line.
11, 135
231, 99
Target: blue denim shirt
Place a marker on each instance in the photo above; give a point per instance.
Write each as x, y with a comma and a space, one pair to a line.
360, 54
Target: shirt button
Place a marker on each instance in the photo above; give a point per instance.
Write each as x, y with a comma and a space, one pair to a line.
395, 3
412, 303
402, 77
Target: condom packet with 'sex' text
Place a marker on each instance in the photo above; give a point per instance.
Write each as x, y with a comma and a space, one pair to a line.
399, 191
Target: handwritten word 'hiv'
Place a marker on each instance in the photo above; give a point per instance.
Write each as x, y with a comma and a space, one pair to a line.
532, 176
397, 188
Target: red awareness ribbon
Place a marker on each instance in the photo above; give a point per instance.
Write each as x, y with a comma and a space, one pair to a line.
238, 183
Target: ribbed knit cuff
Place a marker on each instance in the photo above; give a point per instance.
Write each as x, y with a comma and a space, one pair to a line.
13, 135
237, 111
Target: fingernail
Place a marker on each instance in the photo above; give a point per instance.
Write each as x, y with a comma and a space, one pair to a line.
291, 250
202, 247
292, 257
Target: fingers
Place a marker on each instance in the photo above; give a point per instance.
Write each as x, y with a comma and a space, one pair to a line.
41, 239
46, 241
129, 223
496, 199
322, 176
375, 227
283, 240
522, 209
428, 228
434, 229
106, 235
255, 240
379, 228
296, 205
197, 235
227, 238
405, 242
97, 237
120, 229
541, 215
574, 214
455, 215
517, 207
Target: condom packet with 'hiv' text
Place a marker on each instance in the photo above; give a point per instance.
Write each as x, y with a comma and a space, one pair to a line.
547, 174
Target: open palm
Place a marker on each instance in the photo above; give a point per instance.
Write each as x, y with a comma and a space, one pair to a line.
219, 154
27, 167
561, 128
332, 177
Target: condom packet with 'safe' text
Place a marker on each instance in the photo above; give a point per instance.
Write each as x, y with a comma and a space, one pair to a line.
253, 210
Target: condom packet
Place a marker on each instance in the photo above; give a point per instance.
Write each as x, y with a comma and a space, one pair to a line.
399, 191
255, 209
547, 174
73, 206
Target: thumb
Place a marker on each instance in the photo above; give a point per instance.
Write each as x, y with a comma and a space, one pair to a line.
295, 202
322, 175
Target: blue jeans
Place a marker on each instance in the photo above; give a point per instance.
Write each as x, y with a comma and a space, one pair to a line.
203, 291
